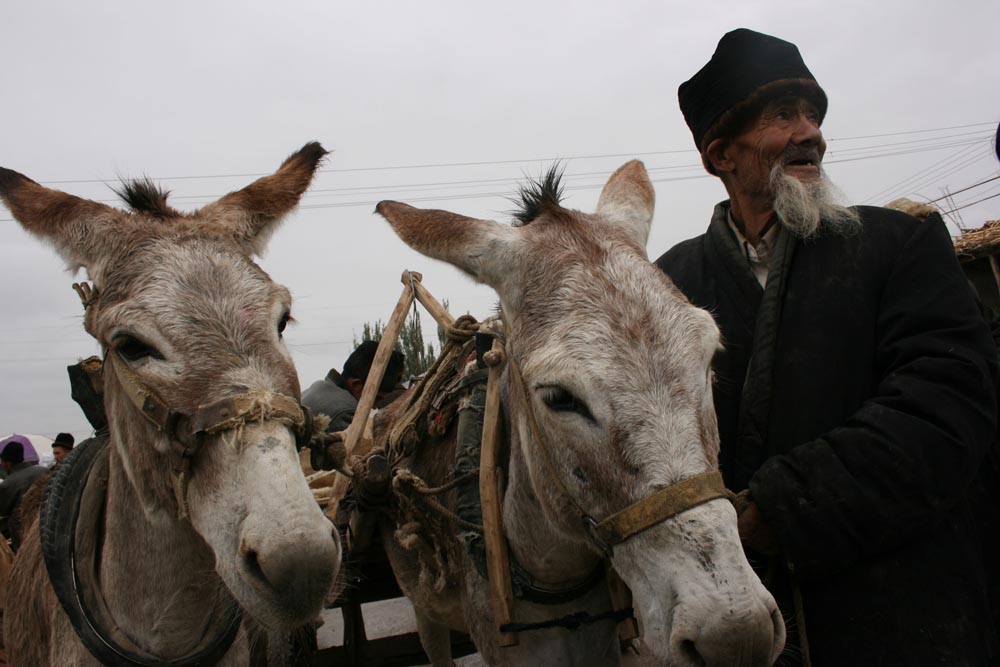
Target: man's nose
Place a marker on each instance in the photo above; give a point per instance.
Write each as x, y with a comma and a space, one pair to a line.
807, 131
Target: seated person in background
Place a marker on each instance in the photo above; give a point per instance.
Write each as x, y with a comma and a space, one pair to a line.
337, 394
62, 446
20, 476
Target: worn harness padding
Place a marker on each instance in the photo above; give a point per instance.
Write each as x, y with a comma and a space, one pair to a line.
70, 549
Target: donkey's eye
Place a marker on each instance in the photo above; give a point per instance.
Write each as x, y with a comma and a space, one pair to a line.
560, 400
133, 349
283, 322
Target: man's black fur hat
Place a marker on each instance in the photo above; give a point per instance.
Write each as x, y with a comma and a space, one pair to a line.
747, 69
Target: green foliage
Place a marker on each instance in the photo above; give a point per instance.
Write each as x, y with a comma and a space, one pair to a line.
411, 343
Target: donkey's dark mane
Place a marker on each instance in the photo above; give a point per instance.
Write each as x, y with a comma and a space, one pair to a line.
144, 196
538, 196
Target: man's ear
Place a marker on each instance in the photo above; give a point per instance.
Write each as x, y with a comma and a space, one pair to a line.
717, 155
355, 386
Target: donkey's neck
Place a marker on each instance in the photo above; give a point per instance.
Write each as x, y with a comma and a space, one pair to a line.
157, 574
536, 541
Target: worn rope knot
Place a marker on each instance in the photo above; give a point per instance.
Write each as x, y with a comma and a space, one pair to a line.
402, 478
257, 407
495, 357
462, 329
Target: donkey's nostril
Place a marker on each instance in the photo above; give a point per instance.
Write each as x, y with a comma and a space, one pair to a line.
690, 654
252, 564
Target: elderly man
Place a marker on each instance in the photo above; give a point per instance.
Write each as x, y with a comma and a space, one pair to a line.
855, 394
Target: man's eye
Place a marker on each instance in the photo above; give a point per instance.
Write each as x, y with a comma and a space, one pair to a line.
559, 400
133, 349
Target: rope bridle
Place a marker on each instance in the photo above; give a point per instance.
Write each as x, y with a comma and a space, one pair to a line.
187, 430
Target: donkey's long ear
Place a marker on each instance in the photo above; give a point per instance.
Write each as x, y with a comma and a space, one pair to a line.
627, 201
250, 215
76, 227
484, 249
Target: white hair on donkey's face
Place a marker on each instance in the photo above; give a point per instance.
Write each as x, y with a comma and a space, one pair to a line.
617, 365
616, 335
181, 305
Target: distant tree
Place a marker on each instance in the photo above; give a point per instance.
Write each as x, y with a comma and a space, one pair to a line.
419, 356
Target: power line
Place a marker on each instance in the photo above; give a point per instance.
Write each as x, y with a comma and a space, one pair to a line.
436, 165
919, 174
894, 134
978, 201
941, 170
974, 185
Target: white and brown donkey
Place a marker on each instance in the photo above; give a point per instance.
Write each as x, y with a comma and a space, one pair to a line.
616, 374
206, 509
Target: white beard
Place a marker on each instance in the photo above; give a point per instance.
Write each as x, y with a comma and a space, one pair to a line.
801, 206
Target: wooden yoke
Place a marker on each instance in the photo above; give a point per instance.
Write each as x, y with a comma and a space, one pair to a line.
357, 437
353, 434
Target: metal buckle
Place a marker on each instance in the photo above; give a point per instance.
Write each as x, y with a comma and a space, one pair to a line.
591, 526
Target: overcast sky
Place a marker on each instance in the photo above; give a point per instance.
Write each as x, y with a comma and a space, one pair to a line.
443, 105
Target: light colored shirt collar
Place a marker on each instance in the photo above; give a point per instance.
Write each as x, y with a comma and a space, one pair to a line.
758, 256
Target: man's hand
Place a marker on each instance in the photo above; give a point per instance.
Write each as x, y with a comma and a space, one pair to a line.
755, 531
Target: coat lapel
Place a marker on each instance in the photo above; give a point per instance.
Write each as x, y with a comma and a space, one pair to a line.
755, 405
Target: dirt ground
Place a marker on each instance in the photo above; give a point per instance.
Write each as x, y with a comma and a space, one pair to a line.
393, 617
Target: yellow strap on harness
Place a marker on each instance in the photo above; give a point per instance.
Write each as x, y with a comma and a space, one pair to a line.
665, 503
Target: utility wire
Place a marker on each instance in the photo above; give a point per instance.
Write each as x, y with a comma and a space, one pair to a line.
978, 201
435, 165
974, 185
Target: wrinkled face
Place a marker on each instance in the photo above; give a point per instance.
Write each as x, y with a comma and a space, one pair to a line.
209, 328
786, 133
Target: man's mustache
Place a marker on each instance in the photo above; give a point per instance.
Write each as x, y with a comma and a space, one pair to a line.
801, 155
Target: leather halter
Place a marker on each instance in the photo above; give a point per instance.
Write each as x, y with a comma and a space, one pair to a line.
637, 517
187, 430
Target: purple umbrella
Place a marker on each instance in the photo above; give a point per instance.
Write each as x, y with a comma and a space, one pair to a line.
30, 454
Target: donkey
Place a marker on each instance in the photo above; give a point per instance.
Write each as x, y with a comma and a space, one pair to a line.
205, 511
617, 382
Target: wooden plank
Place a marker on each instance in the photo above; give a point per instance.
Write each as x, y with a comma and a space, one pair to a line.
433, 306
497, 558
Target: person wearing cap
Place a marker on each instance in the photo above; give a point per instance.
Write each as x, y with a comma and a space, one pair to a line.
855, 393
337, 394
62, 446
20, 476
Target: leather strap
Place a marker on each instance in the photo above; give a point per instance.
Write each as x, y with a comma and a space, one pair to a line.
635, 518
660, 506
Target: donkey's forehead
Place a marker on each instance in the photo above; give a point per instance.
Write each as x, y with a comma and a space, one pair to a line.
613, 307
161, 272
